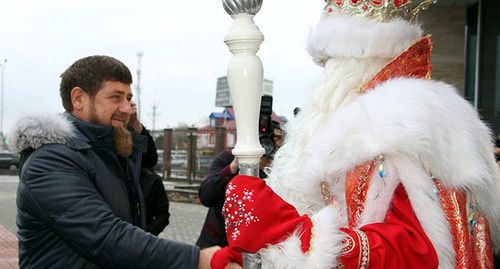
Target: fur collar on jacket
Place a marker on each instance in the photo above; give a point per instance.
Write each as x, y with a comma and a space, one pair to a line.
33, 131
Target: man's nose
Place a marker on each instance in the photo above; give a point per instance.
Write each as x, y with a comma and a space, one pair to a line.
126, 107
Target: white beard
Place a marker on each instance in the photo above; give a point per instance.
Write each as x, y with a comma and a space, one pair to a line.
342, 78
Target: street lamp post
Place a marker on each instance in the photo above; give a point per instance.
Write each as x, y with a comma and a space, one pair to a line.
138, 85
1, 96
245, 76
192, 136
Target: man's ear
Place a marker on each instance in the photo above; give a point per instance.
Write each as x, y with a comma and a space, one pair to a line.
79, 98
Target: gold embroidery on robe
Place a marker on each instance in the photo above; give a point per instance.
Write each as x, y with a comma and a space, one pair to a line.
454, 206
470, 249
356, 187
481, 241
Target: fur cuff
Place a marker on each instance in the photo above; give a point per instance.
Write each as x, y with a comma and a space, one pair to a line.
351, 36
326, 244
35, 130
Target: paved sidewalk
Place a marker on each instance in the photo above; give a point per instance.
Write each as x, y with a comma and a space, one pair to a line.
8, 249
186, 221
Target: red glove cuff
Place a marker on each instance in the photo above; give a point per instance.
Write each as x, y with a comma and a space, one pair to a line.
305, 233
255, 216
224, 256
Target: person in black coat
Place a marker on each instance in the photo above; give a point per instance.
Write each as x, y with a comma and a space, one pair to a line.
224, 167
155, 197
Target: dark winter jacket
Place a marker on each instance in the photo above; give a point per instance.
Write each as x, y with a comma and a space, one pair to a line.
150, 156
155, 198
211, 194
78, 202
156, 201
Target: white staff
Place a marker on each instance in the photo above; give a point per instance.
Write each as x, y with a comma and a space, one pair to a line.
245, 75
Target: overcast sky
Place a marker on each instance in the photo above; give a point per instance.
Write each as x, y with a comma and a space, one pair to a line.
183, 47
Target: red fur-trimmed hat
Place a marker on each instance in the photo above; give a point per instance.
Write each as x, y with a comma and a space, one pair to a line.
365, 29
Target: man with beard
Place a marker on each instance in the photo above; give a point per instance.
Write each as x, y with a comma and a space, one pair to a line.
79, 201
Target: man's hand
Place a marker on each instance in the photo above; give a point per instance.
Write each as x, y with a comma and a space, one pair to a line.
233, 265
134, 123
226, 258
205, 257
233, 166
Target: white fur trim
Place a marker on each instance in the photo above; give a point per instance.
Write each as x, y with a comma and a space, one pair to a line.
33, 131
380, 194
424, 122
423, 128
359, 37
427, 207
326, 245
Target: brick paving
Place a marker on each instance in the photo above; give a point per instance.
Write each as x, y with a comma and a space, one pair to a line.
8, 249
186, 221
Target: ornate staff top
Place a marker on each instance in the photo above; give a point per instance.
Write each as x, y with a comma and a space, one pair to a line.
234, 7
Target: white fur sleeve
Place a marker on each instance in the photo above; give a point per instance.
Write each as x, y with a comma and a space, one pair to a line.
424, 120
326, 245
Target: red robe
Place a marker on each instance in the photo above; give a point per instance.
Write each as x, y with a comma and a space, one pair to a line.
400, 240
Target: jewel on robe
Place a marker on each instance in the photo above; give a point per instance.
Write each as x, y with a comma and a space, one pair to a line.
381, 170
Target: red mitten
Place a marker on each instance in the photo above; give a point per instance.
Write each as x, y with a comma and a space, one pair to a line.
255, 216
224, 256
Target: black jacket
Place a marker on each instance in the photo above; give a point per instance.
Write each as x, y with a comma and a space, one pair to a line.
79, 204
211, 194
155, 197
156, 201
150, 156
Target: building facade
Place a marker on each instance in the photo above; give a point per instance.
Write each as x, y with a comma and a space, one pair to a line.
207, 135
466, 53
